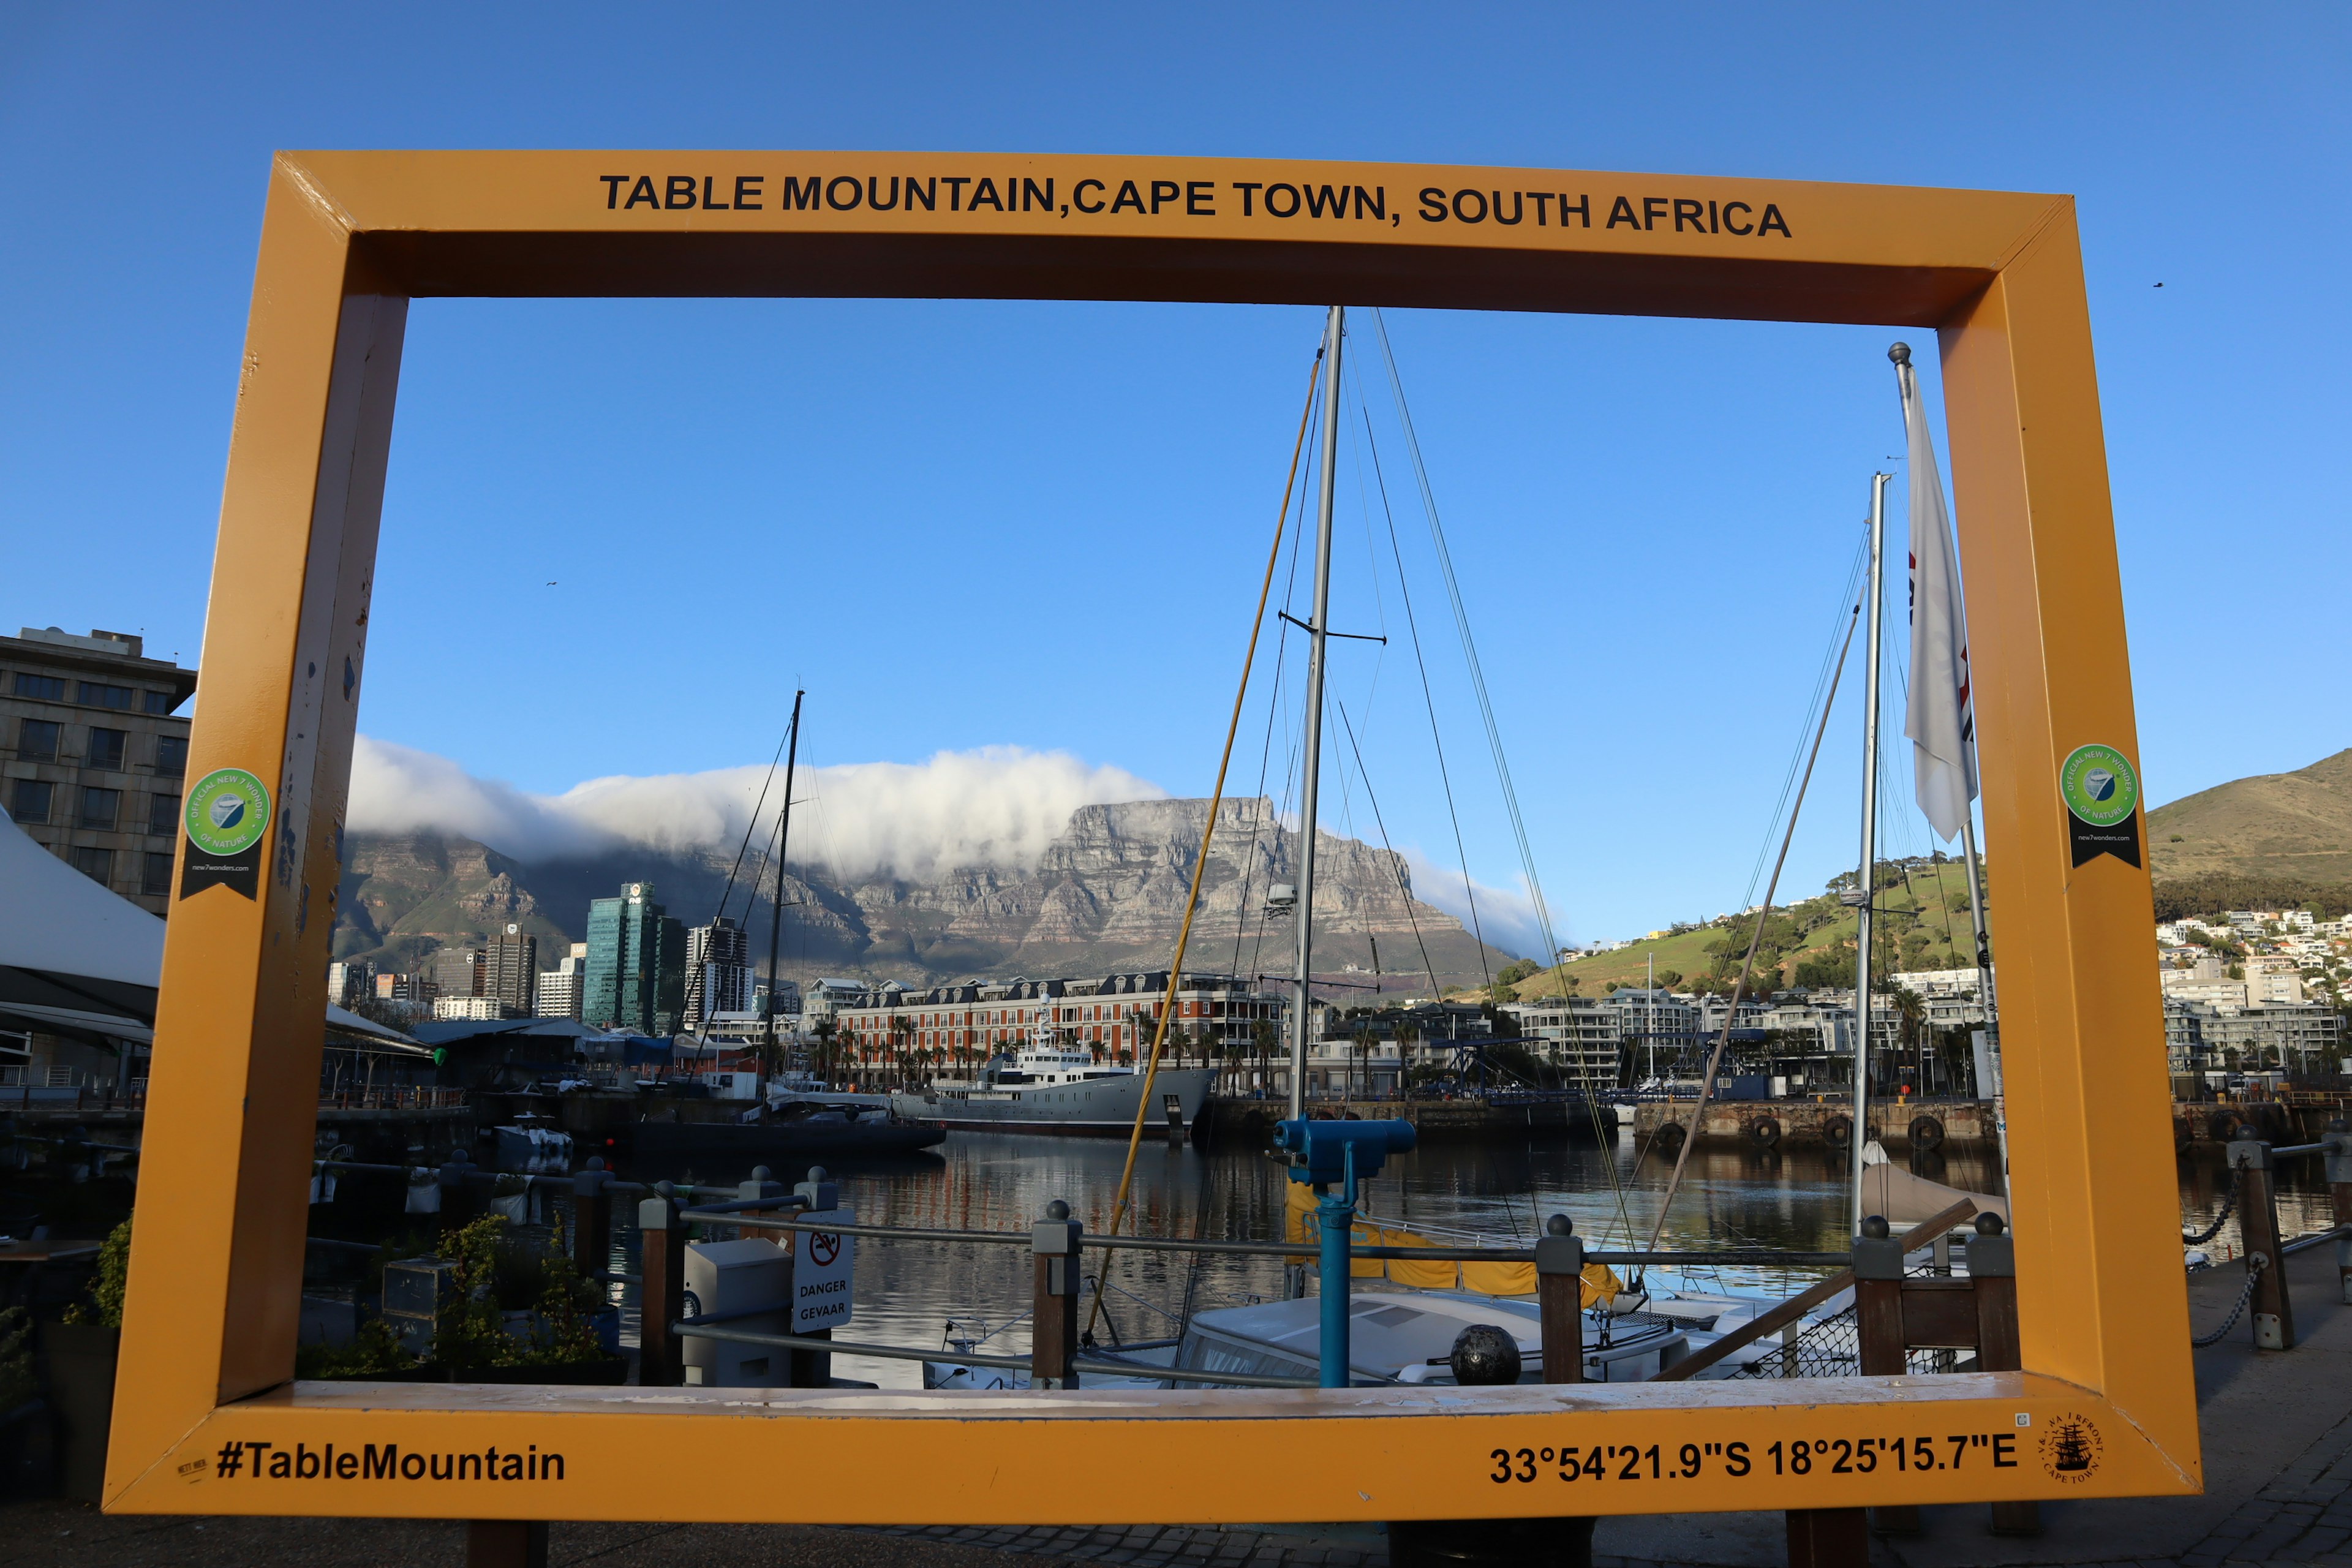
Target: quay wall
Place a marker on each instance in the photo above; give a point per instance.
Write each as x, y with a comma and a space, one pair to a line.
1805, 1123
2198, 1126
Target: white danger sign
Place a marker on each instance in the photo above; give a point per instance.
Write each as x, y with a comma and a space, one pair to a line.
823, 1264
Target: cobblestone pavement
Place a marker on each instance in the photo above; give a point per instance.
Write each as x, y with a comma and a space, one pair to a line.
2304, 1516
1167, 1545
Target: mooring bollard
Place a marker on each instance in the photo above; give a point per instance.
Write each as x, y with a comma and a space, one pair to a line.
592, 1218
2339, 1190
1053, 1309
1560, 1299
2258, 1223
1484, 1355
661, 1300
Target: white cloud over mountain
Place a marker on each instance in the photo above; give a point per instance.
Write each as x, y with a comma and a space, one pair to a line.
1000, 805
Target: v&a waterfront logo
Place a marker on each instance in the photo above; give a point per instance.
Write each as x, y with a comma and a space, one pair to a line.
2070, 1448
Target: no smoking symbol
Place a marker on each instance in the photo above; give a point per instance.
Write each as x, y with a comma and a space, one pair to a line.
824, 1248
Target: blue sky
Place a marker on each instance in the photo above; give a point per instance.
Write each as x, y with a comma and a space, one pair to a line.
973, 524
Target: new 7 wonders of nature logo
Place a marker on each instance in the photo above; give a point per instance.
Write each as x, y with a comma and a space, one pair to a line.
227, 811
2099, 786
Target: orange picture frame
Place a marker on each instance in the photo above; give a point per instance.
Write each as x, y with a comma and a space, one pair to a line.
207, 1402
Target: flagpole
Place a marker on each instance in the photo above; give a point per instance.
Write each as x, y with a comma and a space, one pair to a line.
1993, 1090
1867, 896
1934, 586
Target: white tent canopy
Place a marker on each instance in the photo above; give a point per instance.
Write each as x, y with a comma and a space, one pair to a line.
55, 920
59, 927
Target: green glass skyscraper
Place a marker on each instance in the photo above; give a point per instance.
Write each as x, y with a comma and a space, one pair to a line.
636, 964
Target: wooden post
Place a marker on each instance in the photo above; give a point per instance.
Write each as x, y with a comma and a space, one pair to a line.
662, 1297
1992, 1272
591, 1219
2258, 1223
505, 1543
1175, 1108
1560, 1299
1828, 1538
1878, 1327
1054, 1316
2339, 1189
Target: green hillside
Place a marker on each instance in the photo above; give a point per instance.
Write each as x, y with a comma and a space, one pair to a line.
1923, 924
2287, 827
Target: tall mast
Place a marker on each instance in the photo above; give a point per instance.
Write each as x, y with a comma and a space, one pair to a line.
1863, 908
1304, 1002
783, 837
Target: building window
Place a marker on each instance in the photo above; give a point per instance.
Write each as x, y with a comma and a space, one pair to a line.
100, 807
171, 755
36, 740
41, 688
155, 876
106, 748
29, 801
160, 701
95, 864
97, 694
164, 815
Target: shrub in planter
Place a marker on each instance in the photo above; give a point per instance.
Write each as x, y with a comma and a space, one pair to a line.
81, 1353
514, 1312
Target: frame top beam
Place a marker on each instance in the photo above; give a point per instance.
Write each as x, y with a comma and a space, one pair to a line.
974, 225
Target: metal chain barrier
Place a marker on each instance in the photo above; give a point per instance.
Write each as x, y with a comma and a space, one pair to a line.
2255, 1264
2229, 1203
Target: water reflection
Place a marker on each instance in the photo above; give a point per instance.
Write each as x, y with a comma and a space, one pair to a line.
907, 1293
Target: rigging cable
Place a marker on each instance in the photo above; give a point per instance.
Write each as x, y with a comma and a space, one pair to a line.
1208, 830
1429, 701
747, 826
1543, 913
1707, 1082
1469, 644
1403, 891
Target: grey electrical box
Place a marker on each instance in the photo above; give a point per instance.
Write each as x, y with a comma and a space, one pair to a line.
414, 1290
755, 1277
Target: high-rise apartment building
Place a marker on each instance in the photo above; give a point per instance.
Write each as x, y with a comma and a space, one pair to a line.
457, 972
510, 968
348, 983
557, 993
718, 971
636, 964
94, 755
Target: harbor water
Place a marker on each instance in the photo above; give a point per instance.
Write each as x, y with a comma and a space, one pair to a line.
919, 1294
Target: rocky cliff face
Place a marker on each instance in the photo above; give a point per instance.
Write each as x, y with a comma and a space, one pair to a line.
1109, 894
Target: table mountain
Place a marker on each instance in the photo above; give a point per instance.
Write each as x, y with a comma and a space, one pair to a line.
1106, 895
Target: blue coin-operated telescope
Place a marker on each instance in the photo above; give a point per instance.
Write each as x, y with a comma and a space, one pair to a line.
1323, 1154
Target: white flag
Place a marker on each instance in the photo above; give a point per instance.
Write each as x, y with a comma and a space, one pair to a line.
1939, 717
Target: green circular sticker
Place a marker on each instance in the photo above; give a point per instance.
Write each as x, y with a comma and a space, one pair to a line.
2099, 786
227, 811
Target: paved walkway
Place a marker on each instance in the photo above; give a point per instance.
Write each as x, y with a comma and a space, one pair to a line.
2278, 1465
